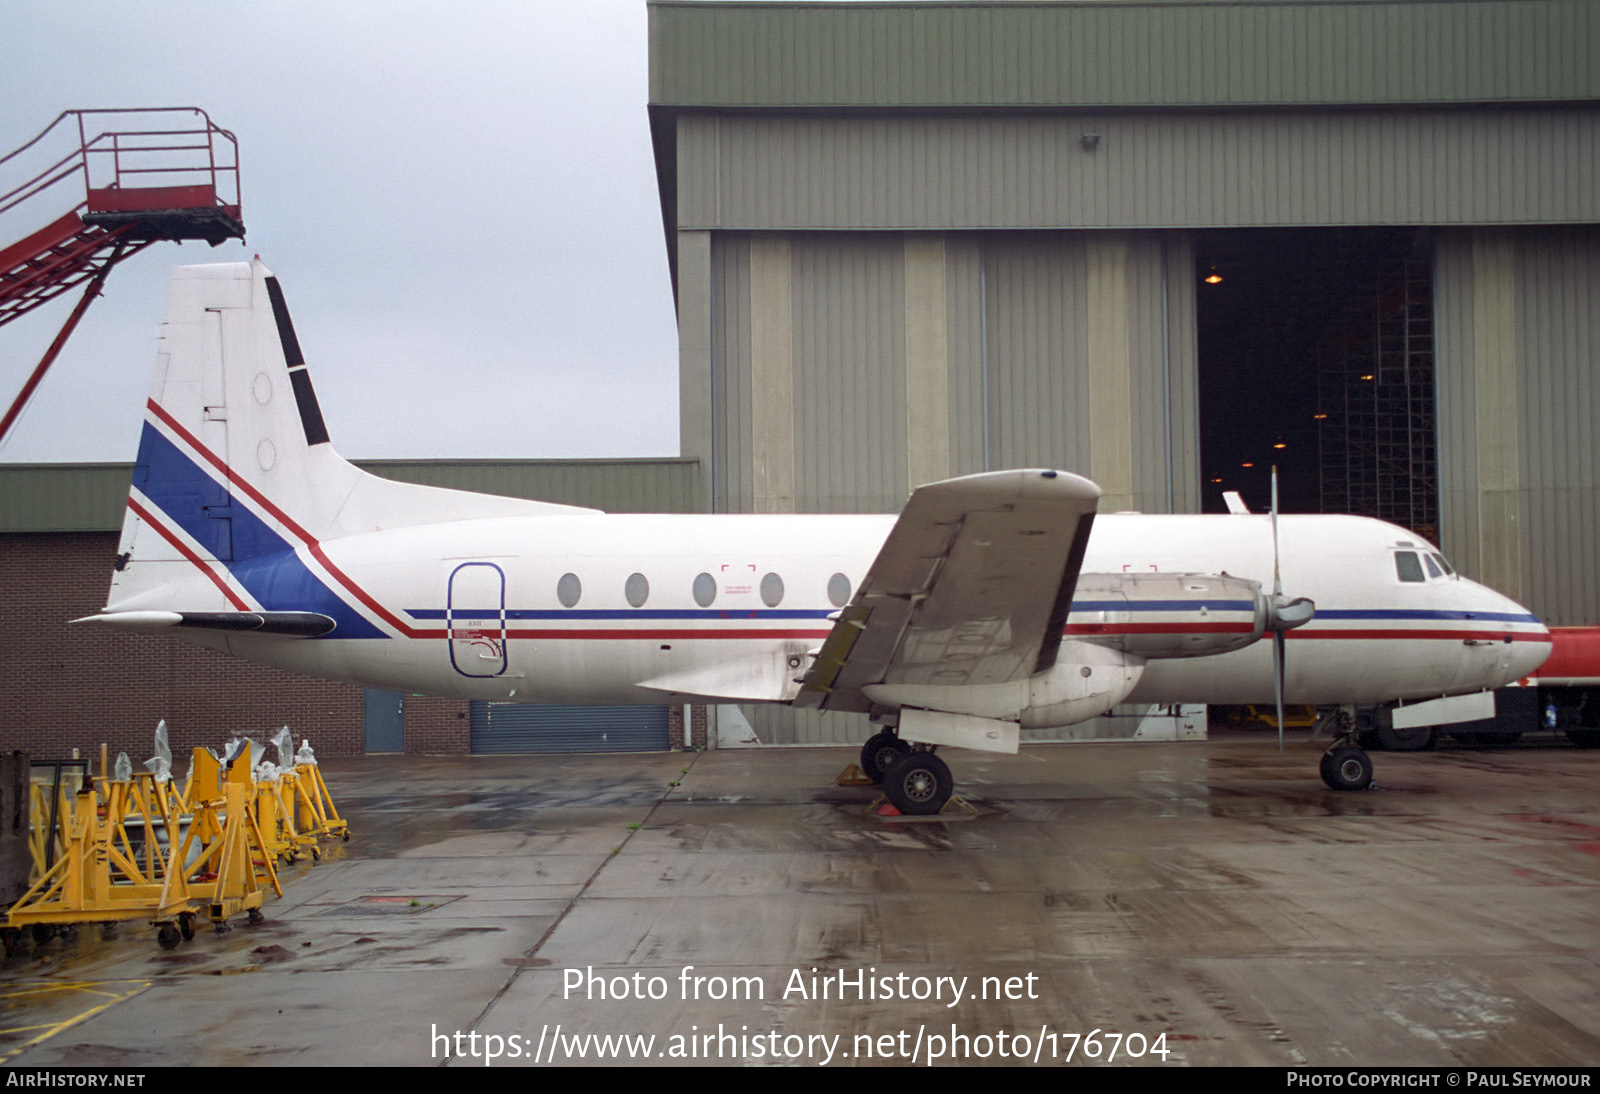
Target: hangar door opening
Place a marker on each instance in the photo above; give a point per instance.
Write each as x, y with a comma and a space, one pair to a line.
1316, 354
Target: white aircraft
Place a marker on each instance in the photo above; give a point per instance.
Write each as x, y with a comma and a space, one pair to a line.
987, 605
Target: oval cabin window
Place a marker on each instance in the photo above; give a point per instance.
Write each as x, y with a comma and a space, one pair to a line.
705, 590
637, 590
568, 590
772, 590
838, 590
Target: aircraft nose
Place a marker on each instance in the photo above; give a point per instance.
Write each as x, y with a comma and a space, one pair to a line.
1529, 650
1529, 639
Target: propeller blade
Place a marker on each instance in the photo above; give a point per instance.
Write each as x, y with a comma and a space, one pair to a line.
1277, 604
1277, 576
1277, 680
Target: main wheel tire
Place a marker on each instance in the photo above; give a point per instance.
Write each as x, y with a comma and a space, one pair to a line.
918, 784
1346, 769
1414, 739
879, 753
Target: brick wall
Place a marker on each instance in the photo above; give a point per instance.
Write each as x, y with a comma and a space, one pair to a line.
437, 727
64, 687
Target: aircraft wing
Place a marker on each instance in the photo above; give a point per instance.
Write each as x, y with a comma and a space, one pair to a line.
972, 586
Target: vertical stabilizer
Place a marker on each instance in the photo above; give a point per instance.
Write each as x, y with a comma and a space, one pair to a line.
235, 467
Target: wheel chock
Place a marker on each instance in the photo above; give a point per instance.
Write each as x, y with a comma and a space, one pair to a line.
854, 776
957, 808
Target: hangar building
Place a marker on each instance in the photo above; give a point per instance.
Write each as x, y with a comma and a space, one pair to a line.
915, 240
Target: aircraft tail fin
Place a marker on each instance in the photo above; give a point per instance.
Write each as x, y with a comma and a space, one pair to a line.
235, 464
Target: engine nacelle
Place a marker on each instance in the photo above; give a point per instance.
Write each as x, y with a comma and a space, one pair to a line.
1087, 679
1169, 615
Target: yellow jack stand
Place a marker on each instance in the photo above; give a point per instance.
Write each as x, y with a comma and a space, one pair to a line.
227, 875
274, 807
314, 809
99, 875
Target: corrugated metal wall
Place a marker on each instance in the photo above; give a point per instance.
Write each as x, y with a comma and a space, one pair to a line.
838, 356
815, 403
1558, 328
1144, 54
1239, 169
848, 397
91, 497
1519, 455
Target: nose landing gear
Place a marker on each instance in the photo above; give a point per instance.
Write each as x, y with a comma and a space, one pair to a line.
1346, 765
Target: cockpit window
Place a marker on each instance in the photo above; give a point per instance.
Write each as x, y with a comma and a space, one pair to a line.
1433, 567
1443, 565
1407, 566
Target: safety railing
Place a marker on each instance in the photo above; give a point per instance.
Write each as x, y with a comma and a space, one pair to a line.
196, 164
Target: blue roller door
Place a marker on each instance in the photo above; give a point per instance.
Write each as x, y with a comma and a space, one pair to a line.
524, 727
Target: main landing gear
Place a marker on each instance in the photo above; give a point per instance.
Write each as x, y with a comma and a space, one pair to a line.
914, 780
880, 752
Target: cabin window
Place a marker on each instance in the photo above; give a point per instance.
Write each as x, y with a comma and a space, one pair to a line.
1407, 566
772, 590
838, 590
637, 590
1443, 565
568, 590
1433, 567
705, 590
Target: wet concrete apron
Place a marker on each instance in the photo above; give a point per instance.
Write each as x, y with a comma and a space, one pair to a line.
1200, 903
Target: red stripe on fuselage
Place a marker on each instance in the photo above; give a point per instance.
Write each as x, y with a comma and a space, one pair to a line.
183, 549
1158, 628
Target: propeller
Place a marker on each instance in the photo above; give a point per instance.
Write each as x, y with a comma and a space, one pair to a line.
1283, 614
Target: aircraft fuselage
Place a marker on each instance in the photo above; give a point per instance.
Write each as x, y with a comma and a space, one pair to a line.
474, 609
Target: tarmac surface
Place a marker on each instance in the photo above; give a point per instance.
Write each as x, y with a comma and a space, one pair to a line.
1156, 904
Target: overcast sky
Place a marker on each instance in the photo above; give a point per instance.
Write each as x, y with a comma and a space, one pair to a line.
459, 199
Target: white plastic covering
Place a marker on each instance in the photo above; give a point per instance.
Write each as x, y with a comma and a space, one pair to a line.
160, 765
284, 742
123, 769
236, 747
305, 755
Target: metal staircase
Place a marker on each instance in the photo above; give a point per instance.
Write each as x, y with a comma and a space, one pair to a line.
168, 174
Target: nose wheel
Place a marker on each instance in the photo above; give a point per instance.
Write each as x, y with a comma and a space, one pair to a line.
1346, 768
1346, 765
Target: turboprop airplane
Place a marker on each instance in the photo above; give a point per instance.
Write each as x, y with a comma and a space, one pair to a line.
991, 603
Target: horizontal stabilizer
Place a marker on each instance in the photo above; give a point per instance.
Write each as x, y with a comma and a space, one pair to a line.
290, 624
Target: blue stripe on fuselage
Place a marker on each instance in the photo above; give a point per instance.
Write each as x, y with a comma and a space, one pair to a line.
1424, 613
621, 613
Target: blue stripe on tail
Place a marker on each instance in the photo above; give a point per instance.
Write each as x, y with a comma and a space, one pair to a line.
259, 558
